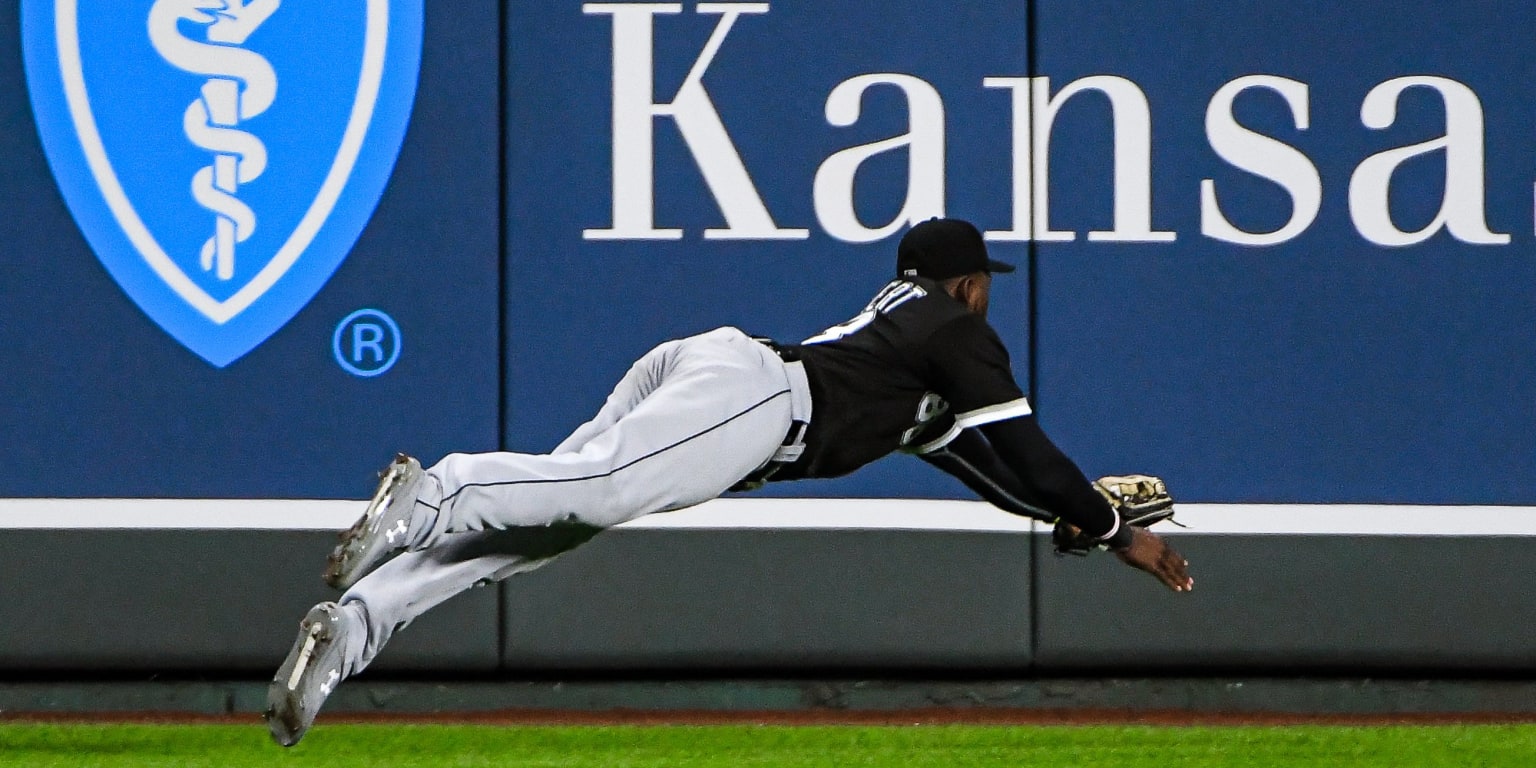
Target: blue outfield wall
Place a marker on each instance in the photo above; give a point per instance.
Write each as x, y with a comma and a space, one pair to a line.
1279, 253
1342, 322
1345, 320
1377, 347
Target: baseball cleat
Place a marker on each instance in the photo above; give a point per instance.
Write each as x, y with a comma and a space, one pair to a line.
381, 532
308, 676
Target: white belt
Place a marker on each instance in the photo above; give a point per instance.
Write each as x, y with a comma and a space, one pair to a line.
799, 414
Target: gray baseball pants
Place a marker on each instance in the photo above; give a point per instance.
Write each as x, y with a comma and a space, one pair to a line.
690, 419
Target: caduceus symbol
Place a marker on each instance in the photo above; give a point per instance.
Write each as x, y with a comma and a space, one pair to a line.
241, 85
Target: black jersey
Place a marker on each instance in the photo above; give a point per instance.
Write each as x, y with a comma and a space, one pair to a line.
909, 372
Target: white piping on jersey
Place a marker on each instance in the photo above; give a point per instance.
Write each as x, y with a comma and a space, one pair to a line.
1029, 510
996, 412
938, 442
896, 294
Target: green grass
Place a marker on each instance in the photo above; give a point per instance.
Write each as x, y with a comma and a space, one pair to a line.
406, 746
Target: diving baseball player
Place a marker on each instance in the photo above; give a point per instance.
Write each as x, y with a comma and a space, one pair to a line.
919, 370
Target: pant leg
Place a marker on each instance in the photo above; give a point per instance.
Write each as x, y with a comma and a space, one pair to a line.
390, 598
692, 418
688, 421
642, 378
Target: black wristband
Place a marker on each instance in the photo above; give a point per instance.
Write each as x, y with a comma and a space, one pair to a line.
1122, 538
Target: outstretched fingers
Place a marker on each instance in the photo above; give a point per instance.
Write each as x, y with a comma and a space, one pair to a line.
1173, 570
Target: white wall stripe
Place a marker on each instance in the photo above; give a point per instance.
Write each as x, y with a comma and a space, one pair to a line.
213, 514
761, 513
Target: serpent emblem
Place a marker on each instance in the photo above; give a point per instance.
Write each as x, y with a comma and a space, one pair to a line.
241, 85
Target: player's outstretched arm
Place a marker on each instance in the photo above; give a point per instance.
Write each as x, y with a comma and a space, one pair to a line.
970, 457
1054, 479
970, 460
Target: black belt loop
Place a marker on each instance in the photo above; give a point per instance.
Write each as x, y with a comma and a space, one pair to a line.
786, 353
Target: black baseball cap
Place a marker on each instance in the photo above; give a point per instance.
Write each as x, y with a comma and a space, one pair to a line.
939, 249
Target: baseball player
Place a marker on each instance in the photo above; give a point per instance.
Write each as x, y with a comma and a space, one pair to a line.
918, 370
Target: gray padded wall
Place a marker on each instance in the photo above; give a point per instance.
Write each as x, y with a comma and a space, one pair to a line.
1288, 602
780, 600
791, 601
146, 601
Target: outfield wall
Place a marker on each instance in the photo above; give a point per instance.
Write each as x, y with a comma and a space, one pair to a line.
1279, 253
804, 586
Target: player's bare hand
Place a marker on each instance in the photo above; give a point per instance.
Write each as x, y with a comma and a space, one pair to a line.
1150, 553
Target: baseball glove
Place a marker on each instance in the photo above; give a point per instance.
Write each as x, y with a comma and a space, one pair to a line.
1140, 500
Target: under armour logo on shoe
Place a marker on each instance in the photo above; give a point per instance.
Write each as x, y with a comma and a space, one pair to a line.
398, 530
330, 682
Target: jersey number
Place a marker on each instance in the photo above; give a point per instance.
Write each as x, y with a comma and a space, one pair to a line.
929, 408
890, 297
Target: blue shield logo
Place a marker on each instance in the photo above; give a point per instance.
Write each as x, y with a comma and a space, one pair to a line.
222, 156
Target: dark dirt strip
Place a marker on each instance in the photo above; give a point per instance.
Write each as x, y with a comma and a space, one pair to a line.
908, 717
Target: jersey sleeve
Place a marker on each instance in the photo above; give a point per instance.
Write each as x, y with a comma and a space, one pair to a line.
1016, 466
970, 369
1054, 479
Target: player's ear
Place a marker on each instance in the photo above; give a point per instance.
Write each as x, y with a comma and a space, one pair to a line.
972, 291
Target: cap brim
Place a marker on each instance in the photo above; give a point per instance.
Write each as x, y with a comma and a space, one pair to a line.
993, 265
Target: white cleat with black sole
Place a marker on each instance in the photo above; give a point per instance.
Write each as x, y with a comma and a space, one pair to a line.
382, 530
308, 676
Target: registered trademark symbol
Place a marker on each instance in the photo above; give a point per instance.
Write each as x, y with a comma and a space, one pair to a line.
366, 343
